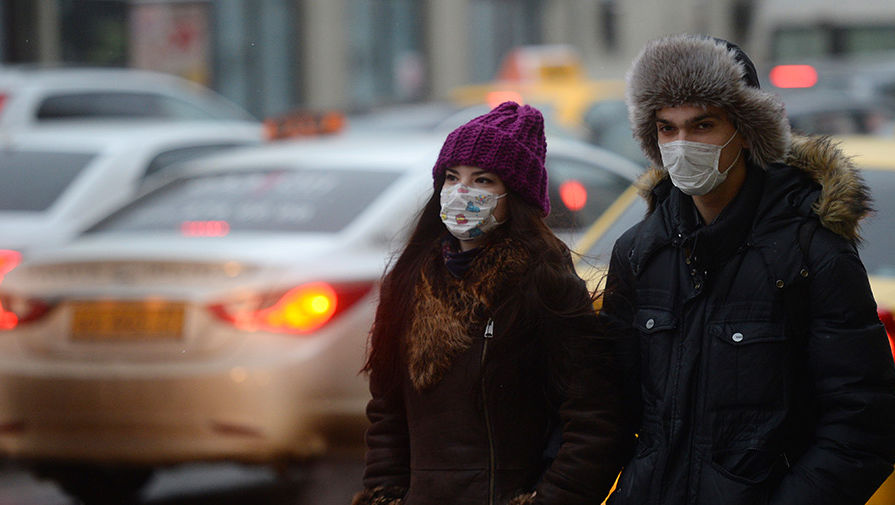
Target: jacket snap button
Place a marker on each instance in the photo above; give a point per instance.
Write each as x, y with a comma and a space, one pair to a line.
779, 283
698, 285
650, 323
803, 273
737, 337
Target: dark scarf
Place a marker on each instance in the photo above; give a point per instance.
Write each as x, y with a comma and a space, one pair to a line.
712, 244
446, 306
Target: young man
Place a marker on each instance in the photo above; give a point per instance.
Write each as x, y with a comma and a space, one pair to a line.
759, 372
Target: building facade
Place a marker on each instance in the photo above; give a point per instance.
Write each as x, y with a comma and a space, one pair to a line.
272, 56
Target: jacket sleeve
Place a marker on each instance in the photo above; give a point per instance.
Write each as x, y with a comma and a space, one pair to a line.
617, 315
853, 444
387, 469
589, 455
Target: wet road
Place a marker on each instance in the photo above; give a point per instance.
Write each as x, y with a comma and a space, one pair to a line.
331, 481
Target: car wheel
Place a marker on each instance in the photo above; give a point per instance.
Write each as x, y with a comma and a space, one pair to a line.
98, 484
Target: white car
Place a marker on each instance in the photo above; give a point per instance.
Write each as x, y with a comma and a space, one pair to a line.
30, 96
58, 180
224, 313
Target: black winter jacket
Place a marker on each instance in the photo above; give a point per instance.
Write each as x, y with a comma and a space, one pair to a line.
759, 372
472, 420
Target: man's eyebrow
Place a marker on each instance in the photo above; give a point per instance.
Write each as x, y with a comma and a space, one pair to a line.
696, 119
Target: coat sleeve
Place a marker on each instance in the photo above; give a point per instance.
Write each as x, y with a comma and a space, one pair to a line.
387, 470
853, 444
617, 315
590, 452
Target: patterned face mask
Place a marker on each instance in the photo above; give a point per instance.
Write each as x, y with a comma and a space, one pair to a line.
468, 212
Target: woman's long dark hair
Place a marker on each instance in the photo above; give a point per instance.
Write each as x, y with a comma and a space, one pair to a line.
549, 256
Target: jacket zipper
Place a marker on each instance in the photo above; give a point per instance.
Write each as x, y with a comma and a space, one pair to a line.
489, 334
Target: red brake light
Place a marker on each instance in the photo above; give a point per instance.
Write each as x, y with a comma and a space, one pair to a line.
793, 76
204, 228
15, 311
9, 259
573, 195
888, 320
299, 310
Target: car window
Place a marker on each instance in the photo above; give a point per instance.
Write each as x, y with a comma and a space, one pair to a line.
182, 154
579, 192
33, 180
297, 200
118, 105
879, 241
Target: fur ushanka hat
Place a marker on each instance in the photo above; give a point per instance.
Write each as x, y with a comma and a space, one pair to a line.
704, 71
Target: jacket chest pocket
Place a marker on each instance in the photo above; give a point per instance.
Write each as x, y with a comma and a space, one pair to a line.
657, 330
748, 363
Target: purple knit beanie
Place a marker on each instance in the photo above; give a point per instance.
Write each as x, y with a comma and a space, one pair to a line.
508, 141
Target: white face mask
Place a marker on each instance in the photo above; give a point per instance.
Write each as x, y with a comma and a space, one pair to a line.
693, 166
468, 212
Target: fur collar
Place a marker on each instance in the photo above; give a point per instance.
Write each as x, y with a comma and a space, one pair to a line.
447, 309
844, 197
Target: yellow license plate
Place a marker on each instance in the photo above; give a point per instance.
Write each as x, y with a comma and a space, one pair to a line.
126, 321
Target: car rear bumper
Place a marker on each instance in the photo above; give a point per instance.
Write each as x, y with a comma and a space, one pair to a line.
240, 415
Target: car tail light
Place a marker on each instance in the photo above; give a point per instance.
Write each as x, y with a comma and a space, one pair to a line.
16, 311
299, 310
573, 195
793, 76
9, 259
888, 319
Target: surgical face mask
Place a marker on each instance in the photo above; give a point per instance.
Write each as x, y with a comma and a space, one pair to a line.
693, 166
468, 213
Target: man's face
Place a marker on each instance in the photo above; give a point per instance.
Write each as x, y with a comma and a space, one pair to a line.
708, 125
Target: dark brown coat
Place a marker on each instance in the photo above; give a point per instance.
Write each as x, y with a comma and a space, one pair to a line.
472, 421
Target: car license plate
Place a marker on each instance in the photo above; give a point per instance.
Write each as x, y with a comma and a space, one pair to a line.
94, 321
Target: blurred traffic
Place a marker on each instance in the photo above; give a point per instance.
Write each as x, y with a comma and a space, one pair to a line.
183, 281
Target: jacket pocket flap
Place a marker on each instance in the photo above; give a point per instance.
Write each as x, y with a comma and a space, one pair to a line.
654, 320
746, 332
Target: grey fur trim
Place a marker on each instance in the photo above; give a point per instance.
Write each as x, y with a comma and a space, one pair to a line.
382, 495
696, 70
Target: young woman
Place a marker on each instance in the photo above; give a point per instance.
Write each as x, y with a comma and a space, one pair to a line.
492, 382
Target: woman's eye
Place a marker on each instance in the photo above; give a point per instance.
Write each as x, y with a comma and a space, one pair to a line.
483, 180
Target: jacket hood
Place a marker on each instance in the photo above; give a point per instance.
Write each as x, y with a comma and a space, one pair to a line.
843, 200
702, 71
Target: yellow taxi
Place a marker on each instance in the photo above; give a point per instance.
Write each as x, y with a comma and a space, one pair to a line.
874, 156
548, 76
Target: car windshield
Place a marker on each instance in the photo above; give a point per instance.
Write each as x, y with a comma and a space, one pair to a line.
33, 179
876, 250
294, 200
122, 105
